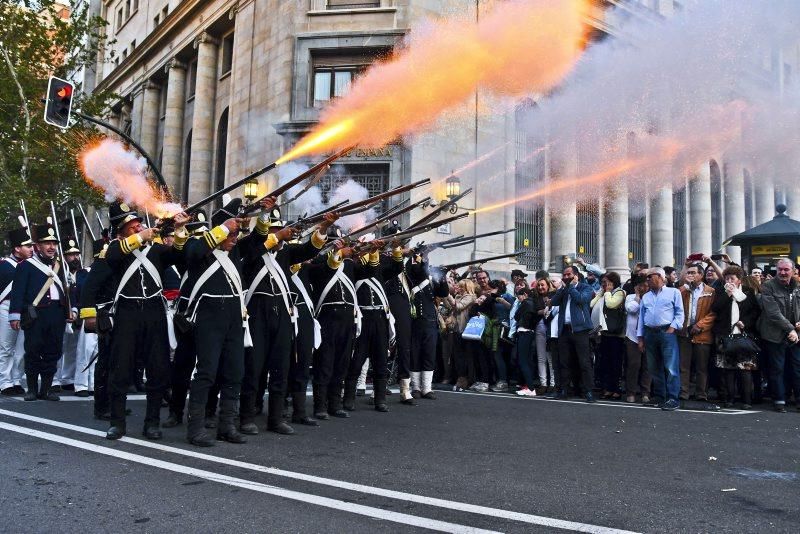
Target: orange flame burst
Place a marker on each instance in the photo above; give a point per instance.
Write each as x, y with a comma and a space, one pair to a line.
520, 47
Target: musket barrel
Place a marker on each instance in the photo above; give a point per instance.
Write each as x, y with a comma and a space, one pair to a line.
453, 266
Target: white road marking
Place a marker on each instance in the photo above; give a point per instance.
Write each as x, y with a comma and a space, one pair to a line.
377, 513
361, 488
73, 398
598, 403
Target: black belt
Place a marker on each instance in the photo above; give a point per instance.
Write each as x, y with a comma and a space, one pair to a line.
662, 328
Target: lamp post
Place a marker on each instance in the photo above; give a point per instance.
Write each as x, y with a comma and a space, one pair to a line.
251, 190
453, 189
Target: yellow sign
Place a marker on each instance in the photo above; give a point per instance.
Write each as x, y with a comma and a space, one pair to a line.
526, 242
630, 255
581, 249
769, 250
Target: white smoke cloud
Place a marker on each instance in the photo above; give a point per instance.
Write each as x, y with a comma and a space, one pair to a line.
309, 202
352, 191
690, 87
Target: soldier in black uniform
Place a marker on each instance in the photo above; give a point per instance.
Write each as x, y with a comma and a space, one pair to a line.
339, 317
377, 323
399, 292
271, 310
140, 321
309, 337
96, 295
217, 311
424, 326
38, 306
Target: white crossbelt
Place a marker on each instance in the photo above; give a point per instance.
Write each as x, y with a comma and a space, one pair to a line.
272, 267
301, 287
48, 271
376, 287
341, 277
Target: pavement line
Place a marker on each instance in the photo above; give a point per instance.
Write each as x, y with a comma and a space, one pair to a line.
350, 486
376, 513
598, 403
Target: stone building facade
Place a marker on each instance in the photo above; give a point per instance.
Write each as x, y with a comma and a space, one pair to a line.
215, 89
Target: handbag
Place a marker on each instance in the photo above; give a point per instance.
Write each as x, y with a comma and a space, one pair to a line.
615, 319
474, 329
739, 347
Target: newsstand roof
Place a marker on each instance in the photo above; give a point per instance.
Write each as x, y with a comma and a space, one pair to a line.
781, 228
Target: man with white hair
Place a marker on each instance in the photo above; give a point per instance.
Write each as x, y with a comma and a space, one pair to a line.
660, 316
779, 325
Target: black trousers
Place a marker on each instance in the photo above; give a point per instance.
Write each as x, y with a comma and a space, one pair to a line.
401, 309
300, 364
140, 327
272, 332
181, 370
373, 343
332, 358
424, 338
101, 401
575, 347
219, 339
44, 341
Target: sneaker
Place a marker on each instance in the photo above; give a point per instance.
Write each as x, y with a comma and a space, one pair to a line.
483, 387
524, 392
500, 387
630, 398
645, 399
780, 408
670, 405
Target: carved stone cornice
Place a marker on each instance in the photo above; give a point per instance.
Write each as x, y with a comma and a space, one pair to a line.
174, 63
205, 37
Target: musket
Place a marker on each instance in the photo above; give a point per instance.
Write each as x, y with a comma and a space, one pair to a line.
100, 222
466, 240
377, 198
64, 265
311, 183
75, 231
308, 220
480, 261
147, 217
86, 222
440, 209
387, 216
411, 232
25, 214
285, 187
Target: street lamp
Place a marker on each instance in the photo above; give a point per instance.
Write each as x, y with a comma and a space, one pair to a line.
453, 186
251, 190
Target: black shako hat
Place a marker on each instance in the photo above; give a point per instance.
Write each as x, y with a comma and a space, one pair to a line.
19, 237
121, 214
229, 211
45, 232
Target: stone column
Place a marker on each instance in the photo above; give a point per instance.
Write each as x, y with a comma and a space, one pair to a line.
616, 228
201, 159
136, 113
793, 201
661, 234
173, 124
563, 239
700, 212
764, 190
734, 207
151, 103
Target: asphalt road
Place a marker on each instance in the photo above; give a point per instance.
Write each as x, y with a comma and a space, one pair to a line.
462, 463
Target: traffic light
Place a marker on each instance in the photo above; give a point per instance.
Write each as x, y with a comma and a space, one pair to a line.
58, 105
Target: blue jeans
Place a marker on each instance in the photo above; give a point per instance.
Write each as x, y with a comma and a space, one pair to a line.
664, 363
783, 358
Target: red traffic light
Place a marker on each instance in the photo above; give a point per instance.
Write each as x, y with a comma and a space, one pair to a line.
58, 105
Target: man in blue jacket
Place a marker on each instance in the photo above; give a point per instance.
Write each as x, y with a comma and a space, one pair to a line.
574, 326
11, 341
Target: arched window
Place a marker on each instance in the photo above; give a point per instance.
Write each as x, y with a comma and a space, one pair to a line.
187, 158
222, 145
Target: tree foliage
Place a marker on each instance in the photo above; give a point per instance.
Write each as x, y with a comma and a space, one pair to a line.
38, 162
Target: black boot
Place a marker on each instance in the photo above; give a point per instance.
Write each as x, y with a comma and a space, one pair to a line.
335, 403
33, 387
195, 427
275, 422
379, 389
299, 416
286, 405
116, 431
226, 431
321, 402
44, 391
173, 419
349, 402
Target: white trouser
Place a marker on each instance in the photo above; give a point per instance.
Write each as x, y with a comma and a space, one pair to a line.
65, 374
12, 351
87, 348
362, 378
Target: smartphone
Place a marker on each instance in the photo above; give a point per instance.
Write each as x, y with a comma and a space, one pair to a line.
718, 257
695, 257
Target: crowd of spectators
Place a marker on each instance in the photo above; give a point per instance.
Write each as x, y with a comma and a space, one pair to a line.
707, 335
